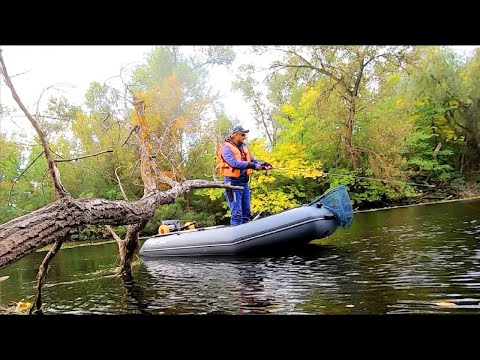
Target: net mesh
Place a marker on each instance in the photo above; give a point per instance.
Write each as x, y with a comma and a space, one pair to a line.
337, 201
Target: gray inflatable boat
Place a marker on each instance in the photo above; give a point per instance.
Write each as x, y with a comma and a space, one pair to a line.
286, 230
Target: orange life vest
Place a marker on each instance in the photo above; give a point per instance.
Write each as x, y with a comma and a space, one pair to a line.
224, 168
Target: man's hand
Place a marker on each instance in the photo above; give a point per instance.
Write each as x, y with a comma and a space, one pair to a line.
267, 166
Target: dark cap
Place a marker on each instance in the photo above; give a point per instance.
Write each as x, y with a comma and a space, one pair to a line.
239, 128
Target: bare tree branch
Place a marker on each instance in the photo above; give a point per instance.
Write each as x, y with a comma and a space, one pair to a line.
108, 128
59, 188
18, 177
42, 273
130, 134
120, 184
84, 156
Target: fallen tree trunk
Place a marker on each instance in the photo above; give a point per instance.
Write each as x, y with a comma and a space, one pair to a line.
67, 215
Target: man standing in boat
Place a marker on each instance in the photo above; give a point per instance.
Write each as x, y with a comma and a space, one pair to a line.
236, 163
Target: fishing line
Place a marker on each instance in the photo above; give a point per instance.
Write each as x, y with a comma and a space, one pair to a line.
356, 177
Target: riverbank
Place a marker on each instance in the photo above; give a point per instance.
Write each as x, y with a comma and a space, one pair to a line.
74, 244
423, 203
430, 196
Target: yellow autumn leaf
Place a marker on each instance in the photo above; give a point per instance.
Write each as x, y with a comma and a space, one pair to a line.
23, 306
445, 304
288, 109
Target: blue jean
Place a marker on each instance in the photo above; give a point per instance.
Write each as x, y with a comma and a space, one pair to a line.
239, 204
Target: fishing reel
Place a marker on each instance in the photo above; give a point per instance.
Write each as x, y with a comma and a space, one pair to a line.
265, 170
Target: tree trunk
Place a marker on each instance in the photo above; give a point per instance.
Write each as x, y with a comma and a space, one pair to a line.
348, 136
53, 222
128, 246
187, 197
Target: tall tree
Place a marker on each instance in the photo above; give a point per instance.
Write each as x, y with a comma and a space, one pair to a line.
175, 86
262, 109
350, 71
447, 96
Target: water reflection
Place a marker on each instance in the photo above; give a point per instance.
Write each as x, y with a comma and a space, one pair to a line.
204, 285
134, 295
253, 296
290, 284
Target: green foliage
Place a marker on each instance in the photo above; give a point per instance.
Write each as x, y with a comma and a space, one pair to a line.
101, 98
113, 194
174, 87
201, 211
95, 176
367, 191
33, 189
10, 163
383, 125
421, 160
94, 232
165, 61
446, 103
315, 118
339, 81
259, 104
57, 117
283, 188
217, 55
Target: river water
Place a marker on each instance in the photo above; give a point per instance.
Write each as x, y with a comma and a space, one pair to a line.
419, 259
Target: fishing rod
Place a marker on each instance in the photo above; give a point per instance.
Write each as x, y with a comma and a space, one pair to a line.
356, 177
